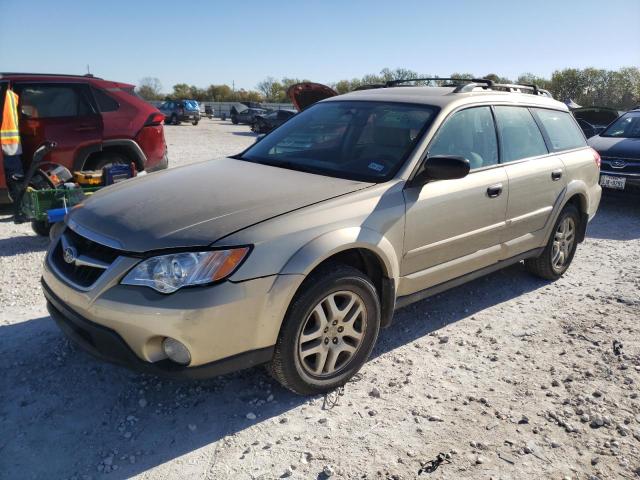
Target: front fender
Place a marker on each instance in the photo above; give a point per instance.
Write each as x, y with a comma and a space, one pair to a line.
319, 249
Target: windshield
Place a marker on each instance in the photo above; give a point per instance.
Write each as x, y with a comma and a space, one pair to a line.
365, 141
627, 126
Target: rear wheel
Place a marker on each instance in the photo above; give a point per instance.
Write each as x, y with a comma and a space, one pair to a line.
329, 331
234, 120
106, 159
175, 120
559, 252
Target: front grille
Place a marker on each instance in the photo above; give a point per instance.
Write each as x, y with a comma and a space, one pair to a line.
621, 165
90, 260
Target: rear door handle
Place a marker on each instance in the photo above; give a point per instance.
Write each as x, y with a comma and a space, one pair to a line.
494, 190
85, 128
556, 175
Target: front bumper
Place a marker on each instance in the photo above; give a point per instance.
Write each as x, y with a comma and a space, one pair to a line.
108, 345
227, 326
632, 182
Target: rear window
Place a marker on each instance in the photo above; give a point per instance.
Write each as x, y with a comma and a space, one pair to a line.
105, 102
519, 134
562, 131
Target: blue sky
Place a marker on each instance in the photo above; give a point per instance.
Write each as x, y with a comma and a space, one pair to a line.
204, 42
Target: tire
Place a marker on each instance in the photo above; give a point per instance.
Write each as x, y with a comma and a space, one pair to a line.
335, 361
195, 122
41, 227
107, 159
558, 254
175, 120
234, 120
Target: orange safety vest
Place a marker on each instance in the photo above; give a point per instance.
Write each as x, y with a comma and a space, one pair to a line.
9, 133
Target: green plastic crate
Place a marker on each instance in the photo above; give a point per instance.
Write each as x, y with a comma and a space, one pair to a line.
35, 203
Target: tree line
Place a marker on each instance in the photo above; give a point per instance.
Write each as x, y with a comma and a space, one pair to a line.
618, 89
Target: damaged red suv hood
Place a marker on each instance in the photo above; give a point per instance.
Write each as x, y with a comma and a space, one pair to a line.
305, 94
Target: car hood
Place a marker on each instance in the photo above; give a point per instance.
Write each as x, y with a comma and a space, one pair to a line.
600, 116
197, 205
616, 147
305, 94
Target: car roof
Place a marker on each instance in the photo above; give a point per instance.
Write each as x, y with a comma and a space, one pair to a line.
447, 96
58, 77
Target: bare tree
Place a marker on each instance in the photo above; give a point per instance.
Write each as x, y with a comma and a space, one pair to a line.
150, 88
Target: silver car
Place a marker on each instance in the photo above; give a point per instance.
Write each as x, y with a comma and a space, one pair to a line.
297, 251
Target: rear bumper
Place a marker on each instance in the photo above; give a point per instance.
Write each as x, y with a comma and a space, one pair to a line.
106, 344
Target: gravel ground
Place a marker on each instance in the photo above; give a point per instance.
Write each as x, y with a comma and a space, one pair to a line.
509, 376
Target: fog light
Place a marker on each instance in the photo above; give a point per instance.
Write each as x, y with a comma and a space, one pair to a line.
176, 351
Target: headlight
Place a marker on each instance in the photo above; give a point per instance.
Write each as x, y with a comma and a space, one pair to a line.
168, 273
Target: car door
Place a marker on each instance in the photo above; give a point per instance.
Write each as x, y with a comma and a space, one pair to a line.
454, 227
536, 178
64, 113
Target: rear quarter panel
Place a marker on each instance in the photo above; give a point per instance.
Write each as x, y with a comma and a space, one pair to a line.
582, 178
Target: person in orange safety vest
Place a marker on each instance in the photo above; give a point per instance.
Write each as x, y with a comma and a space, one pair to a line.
11, 147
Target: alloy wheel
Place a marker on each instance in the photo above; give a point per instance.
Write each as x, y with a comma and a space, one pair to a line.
563, 241
332, 333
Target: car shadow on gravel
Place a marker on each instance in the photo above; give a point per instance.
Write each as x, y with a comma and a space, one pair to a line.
67, 414
22, 244
616, 211
245, 134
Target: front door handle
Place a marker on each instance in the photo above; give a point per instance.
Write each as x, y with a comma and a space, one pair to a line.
556, 175
494, 190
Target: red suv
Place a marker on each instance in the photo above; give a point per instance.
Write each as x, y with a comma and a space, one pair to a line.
94, 122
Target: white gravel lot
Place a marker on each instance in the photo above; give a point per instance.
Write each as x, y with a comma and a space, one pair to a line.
510, 376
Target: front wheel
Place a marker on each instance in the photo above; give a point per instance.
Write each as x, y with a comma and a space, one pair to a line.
195, 122
329, 331
175, 120
559, 252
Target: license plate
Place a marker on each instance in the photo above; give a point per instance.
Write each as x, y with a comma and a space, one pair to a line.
616, 183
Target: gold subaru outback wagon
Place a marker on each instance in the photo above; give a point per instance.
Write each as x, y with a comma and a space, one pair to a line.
295, 252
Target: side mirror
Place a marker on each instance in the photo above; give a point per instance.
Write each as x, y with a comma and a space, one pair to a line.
441, 167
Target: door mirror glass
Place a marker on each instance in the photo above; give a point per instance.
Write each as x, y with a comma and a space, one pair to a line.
442, 167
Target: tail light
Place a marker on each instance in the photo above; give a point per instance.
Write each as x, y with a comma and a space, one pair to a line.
154, 119
596, 157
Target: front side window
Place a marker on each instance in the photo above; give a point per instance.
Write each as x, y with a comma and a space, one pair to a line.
53, 101
469, 133
627, 126
519, 133
561, 129
365, 141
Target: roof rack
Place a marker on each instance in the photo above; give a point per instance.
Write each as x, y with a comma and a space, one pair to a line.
86, 75
455, 81
506, 87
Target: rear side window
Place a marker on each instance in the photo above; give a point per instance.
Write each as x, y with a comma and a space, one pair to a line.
105, 102
53, 101
469, 133
519, 134
561, 129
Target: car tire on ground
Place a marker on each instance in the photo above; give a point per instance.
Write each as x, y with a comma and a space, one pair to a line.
41, 227
175, 120
234, 120
107, 159
328, 332
195, 122
559, 252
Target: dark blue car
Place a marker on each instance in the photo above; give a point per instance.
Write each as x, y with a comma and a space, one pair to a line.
619, 148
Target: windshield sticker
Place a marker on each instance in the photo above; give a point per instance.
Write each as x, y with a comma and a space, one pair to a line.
376, 166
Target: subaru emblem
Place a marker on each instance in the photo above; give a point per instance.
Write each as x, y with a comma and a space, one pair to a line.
70, 254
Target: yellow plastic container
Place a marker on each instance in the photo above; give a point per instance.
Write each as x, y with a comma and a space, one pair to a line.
88, 178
